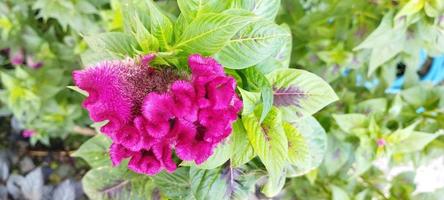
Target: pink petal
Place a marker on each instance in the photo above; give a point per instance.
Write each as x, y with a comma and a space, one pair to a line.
204, 66
144, 162
117, 153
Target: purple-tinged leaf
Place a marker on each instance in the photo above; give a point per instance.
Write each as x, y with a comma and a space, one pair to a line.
288, 96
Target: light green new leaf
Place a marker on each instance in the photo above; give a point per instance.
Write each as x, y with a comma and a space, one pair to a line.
385, 43
95, 151
116, 183
146, 40
267, 9
241, 149
258, 82
338, 193
270, 144
117, 44
253, 44
307, 146
161, 25
77, 89
416, 141
208, 33
412, 7
300, 92
250, 101
347, 122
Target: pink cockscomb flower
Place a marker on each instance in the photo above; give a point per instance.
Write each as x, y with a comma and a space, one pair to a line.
27, 133
152, 112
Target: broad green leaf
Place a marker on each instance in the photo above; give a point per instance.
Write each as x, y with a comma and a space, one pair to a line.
207, 184
191, 9
118, 183
242, 151
209, 33
372, 106
250, 101
219, 183
161, 25
120, 45
298, 149
176, 185
252, 44
308, 145
280, 59
348, 122
416, 141
270, 144
299, 91
95, 151
337, 155
267, 9
364, 155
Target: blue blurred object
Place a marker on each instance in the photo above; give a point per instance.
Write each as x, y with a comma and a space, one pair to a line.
435, 75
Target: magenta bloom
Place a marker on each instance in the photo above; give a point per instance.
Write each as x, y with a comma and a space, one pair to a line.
27, 133
151, 112
30, 62
17, 57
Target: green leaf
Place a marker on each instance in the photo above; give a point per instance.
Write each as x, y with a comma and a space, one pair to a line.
191, 9
120, 45
108, 182
372, 106
209, 33
280, 59
219, 183
385, 43
175, 185
77, 89
257, 81
348, 122
242, 151
266, 9
145, 39
250, 101
338, 193
415, 141
252, 44
68, 13
299, 91
307, 145
161, 25
411, 8
337, 155
95, 151
270, 144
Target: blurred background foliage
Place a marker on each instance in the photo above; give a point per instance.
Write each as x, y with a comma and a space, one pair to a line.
389, 114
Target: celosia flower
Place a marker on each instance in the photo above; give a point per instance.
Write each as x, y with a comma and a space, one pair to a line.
30, 62
27, 133
17, 57
152, 112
